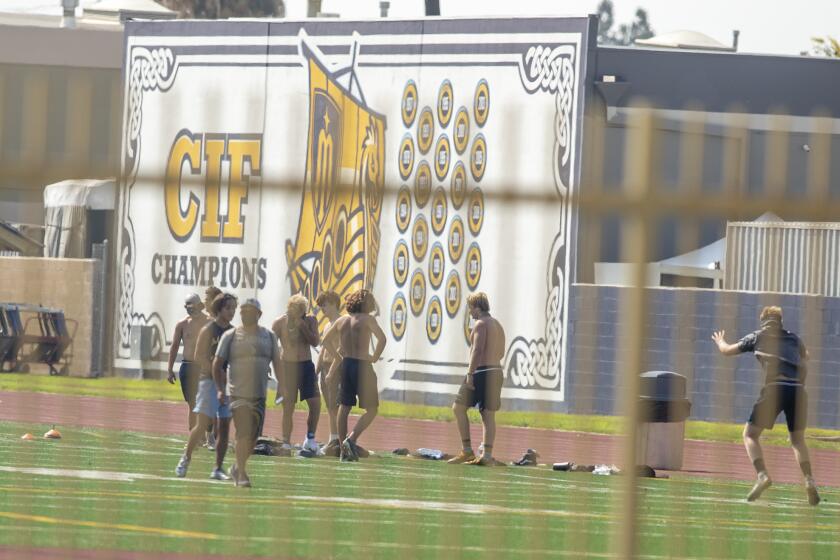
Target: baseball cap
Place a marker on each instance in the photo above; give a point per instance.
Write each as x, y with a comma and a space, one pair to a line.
192, 299
252, 302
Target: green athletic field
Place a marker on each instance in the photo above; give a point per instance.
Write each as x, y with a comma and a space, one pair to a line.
382, 507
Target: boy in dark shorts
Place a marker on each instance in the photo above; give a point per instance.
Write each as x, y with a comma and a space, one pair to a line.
208, 409
482, 385
783, 356
350, 339
186, 331
297, 331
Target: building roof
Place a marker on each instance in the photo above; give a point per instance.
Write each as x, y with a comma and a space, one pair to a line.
692, 40
97, 14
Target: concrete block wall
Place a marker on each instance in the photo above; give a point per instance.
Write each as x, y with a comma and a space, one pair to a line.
66, 284
678, 327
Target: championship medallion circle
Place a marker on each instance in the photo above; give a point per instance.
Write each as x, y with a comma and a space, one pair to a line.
434, 320
437, 265
420, 237
406, 157
461, 134
399, 316
452, 294
456, 239
422, 184
439, 211
467, 328
445, 103
478, 157
409, 103
417, 292
403, 209
458, 186
473, 266
443, 155
475, 211
425, 130
401, 263
481, 103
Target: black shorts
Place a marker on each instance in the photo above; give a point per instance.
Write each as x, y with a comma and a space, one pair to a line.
487, 394
357, 378
188, 376
779, 397
300, 378
248, 416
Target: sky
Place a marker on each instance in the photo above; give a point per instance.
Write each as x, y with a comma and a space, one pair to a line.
766, 26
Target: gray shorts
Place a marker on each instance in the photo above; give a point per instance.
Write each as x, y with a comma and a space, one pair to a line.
207, 401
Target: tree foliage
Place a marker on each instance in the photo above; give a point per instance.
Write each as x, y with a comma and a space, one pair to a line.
825, 46
625, 33
220, 9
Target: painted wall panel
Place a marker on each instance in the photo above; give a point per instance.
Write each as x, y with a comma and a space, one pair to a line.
272, 158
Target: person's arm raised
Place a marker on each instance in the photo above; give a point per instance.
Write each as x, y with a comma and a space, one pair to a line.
724, 347
309, 330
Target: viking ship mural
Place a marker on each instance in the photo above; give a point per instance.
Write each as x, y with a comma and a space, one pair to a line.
338, 236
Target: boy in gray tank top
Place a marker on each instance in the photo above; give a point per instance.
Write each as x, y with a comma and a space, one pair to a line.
249, 351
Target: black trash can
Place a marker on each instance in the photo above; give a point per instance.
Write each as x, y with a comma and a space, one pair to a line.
663, 410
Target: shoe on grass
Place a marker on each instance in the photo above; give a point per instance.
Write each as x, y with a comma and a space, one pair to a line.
243, 481
811, 490
484, 461
360, 451
211, 441
356, 449
529, 459
183, 465
347, 455
762, 483
310, 445
462, 458
219, 474
332, 449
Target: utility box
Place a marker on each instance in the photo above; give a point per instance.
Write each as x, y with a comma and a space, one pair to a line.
664, 408
140, 342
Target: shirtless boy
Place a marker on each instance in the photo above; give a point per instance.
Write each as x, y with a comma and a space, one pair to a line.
482, 385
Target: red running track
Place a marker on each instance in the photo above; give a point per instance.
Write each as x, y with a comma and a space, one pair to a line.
702, 458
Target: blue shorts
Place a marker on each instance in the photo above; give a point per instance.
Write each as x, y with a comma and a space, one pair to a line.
207, 401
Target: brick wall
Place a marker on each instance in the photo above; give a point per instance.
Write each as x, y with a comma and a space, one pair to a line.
65, 284
678, 327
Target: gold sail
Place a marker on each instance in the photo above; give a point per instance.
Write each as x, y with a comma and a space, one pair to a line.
337, 242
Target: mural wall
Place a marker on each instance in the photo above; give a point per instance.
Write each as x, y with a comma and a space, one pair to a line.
276, 158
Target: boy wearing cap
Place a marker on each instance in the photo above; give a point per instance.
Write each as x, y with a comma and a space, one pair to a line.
208, 409
482, 385
783, 356
186, 331
297, 331
249, 351
350, 339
